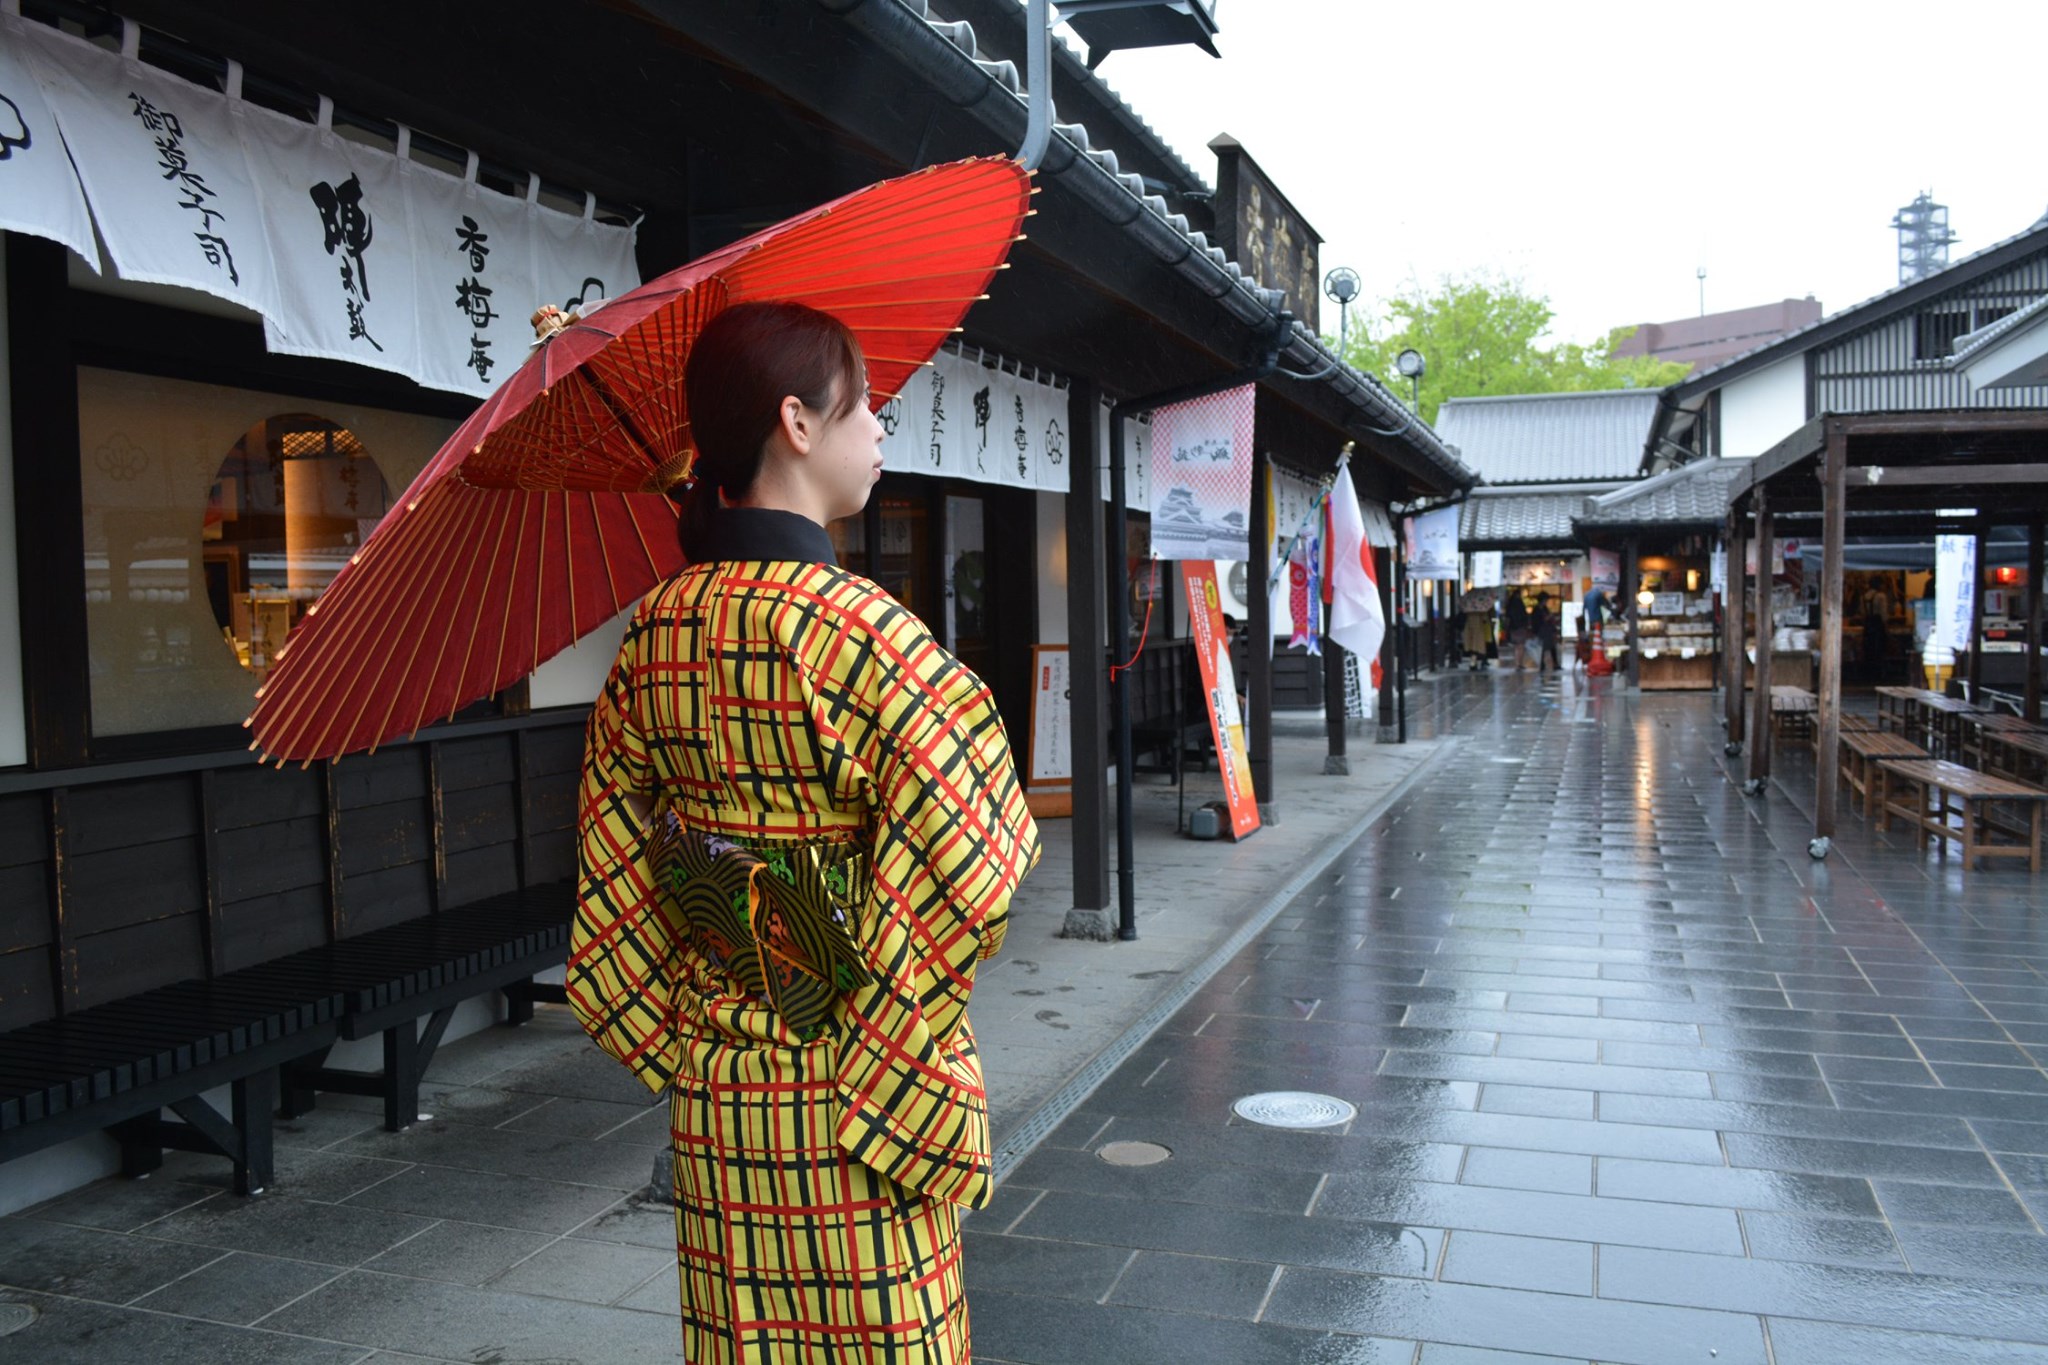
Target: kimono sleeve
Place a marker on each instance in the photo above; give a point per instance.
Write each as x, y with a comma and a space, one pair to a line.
622, 949
955, 838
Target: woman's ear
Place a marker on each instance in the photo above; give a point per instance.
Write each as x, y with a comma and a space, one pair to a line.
795, 424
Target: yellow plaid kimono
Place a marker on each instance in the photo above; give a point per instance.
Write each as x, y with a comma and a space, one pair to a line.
783, 700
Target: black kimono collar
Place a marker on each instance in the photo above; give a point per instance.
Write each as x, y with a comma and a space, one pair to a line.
741, 533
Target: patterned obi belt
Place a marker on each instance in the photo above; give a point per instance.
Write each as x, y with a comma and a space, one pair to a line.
782, 920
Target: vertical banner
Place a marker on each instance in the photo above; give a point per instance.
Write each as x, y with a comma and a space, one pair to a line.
39, 191
1138, 439
1051, 773
1201, 494
472, 264
1605, 570
337, 221
1487, 566
163, 170
1717, 568
1048, 408
1433, 545
1955, 583
1219, 685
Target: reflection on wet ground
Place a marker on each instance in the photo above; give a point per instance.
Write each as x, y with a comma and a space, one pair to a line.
1637, 1081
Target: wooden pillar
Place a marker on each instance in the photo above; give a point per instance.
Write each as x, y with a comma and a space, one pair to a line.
1733, 637
1834, 494
1760, 695
2035, 620
1977, 558
1258, 644
1088, 658
1631, 584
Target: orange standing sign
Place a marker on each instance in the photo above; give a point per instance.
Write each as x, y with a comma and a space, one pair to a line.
1219, 687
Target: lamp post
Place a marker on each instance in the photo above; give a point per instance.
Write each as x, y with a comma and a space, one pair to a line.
1342, 285
1411, 364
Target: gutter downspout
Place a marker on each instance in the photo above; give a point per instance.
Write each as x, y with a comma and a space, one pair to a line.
1119, 594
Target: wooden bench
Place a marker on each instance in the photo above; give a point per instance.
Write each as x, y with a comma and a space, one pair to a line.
1859, 747
1792, 712
265, 1032
1924, 789
2021, 755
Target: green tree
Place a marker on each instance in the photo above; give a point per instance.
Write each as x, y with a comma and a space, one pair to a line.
1484, 335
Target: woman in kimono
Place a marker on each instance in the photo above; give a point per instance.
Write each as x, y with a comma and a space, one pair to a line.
800, 831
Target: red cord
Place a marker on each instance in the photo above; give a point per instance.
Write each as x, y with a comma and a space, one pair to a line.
1126, 665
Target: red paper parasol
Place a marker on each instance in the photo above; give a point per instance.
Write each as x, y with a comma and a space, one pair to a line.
544, 515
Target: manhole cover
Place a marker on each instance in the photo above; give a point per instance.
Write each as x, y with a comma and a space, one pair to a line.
14, 1317
1133, 1153
1295, 1109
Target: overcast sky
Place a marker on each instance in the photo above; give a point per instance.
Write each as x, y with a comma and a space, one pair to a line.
1601, 153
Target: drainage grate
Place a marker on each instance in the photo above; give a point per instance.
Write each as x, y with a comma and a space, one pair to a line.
14, 1317
1295, 1109
1133, 1153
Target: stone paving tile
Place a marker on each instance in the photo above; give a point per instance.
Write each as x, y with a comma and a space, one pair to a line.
88, 1263
238, 1288
71, 1331
394, 1313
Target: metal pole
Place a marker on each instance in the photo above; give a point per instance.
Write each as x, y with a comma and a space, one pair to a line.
1258, 645
1400, 557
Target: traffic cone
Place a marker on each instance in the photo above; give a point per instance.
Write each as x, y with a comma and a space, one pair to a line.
1599, 666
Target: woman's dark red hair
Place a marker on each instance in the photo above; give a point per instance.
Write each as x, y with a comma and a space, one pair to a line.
744, 363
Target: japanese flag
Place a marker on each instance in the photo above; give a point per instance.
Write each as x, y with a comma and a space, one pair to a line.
1356, 619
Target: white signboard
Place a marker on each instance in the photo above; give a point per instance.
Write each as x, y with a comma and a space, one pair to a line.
1052, 708
1955, 579
1486, 568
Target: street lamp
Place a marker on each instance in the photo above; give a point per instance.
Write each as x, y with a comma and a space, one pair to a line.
1342, 285
1411, 364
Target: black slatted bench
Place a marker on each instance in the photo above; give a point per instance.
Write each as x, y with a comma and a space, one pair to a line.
116, 1067
392, 978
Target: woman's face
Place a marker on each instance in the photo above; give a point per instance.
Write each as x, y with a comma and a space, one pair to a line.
847, 457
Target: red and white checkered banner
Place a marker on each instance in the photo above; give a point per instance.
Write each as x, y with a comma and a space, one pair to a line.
1201, 492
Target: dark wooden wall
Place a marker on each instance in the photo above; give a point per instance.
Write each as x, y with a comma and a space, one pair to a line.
131, 882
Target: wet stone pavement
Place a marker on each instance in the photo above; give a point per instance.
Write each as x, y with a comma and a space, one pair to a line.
1637, 1080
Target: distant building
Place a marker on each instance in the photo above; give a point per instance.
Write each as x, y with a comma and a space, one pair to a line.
1706, 341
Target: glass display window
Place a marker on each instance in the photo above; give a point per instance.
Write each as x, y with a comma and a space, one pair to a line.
213, 516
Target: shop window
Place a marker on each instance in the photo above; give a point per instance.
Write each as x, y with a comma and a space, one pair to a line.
212, 517
292, 501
